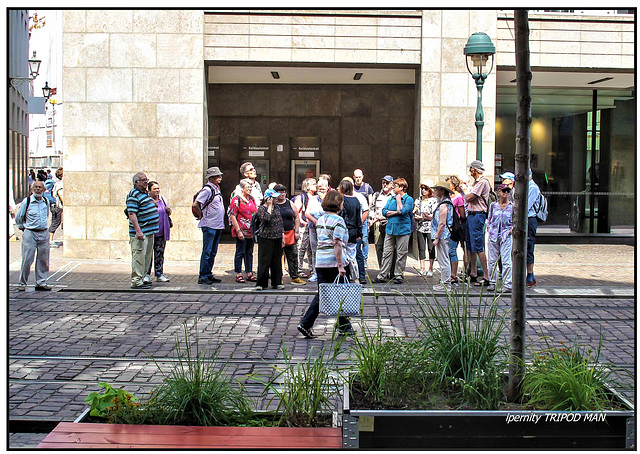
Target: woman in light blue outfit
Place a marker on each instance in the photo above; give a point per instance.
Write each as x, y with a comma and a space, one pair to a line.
500, 226
441, 232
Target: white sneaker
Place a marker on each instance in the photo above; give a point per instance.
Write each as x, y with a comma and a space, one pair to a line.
440, 288
147, 279
429, 273
313, 278
162, 278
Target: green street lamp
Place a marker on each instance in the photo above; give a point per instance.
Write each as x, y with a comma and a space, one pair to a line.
478, 50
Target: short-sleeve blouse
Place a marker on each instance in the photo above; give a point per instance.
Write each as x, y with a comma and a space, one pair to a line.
243, 210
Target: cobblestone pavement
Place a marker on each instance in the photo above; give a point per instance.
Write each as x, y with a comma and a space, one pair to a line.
93, 328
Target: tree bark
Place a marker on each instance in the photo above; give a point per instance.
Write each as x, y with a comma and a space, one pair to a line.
520, 205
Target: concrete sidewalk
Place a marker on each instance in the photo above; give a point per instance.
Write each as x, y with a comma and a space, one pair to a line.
575, 269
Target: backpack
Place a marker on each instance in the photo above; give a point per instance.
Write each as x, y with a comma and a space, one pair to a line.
541, 208
48, 184
456, 228
209, 200
305, 201
493, 197
22, 219
255, 226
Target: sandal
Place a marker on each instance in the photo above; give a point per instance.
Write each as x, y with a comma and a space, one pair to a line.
240, 279
251, 277
472, 279
482, 282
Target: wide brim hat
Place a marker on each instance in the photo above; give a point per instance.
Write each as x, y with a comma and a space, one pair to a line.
476, 164
213, 172
443, 185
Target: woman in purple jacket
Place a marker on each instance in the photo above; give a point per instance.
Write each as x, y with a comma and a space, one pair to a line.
160, 239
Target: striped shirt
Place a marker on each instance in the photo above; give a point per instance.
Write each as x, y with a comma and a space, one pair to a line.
330, 226
143, 206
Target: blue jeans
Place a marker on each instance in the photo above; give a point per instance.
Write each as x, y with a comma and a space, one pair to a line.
210, 241
360, 259
531, 238
244, 252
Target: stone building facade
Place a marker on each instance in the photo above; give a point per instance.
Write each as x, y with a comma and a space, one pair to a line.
171, 92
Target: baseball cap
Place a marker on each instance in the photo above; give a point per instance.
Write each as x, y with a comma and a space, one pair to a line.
509, 175
388, 178
504, 186
270, 193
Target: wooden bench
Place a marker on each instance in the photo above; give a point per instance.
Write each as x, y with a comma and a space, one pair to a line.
109, 436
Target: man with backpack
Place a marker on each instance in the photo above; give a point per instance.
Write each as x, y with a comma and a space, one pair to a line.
33, 219
478, 200
537, 211
441, 225
208, 208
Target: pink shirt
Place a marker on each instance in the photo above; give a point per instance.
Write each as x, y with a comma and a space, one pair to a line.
243, 210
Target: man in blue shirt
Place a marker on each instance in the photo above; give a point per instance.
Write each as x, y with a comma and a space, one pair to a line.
532, 198
398, 210
33, 219
143, 224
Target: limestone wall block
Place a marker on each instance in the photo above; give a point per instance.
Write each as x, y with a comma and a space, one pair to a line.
430, 159
120, 183
75, 159
109, 85
485, 21
314, 42
120, 250
270, 41
400, 32
74, 85
184, 250
86, 119
109, 154
180, 120
132, 119
179, 187
430, 89
231, 18
559, 59
307, 29
82, 249
191, 155
180, 50
430, 123
431, 23
560, 47
107, 223
74, 21
275, 19
600, 61
312, 21
398, 56
395, 43
453, 58
431, 52
226, 40
355, 56
627, 61
168, 21
159, 154
270, 29
192, 85
133, 50
92, 189
356, 22
226, 29
85, 49
458, 124
269, 54
156, 85
185, 226
222, 53
317, 55
455, 91
75, 222
601, 48
403, 22
109, 21
455, 24
453, 158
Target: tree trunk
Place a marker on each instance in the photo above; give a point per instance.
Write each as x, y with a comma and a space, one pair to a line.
520, 221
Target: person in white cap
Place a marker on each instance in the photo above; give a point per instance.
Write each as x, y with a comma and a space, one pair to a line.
209, 209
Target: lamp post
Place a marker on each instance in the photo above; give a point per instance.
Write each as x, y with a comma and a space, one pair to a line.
479, 49
46, 91
34, 69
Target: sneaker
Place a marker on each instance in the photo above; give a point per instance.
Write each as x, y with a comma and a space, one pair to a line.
506, 290
215, 280
313, 278
305, 332
398, 280
297, 281
363, 281
147, 279
491, 287
141, 286
347, 332
205, 280
441, 288
44, 287
22, 288
258, 288
379, 281
162, 278
278, 287
532, 283
429, 273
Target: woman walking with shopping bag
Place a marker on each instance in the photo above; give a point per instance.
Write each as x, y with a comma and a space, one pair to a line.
330, 260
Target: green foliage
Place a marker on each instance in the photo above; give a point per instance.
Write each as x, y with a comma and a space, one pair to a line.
567, 379
109, 401
304, 390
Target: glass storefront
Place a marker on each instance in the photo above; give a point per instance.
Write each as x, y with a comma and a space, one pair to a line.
585, 168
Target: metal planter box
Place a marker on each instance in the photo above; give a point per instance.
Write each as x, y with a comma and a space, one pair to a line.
444, 429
